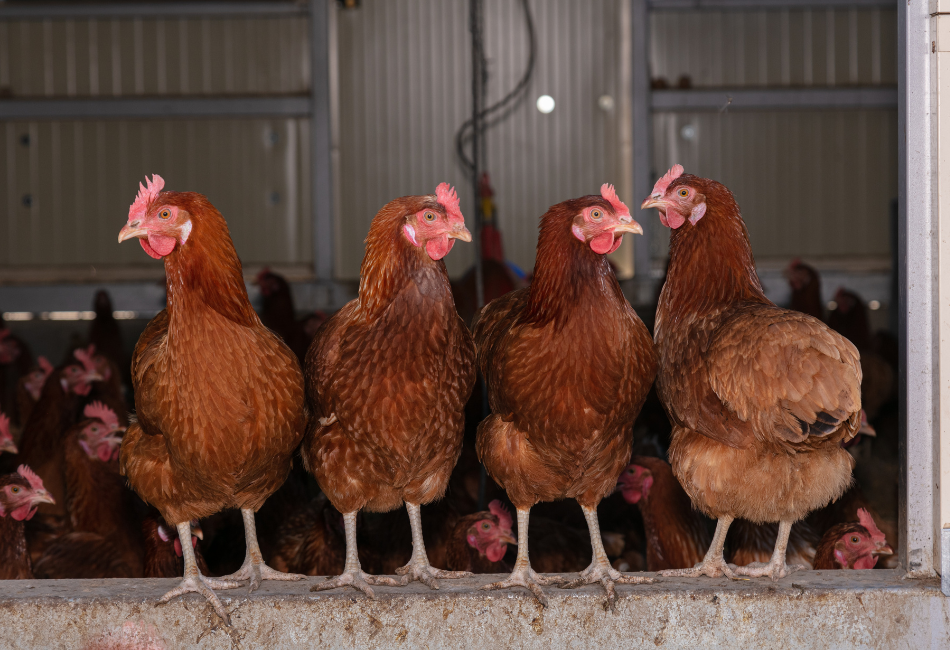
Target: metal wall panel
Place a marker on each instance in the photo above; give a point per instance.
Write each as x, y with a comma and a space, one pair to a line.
778, 47
404, 89
122, 57
66, 187
809, 183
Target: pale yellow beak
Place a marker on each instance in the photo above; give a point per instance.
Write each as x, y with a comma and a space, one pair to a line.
651, 202
508, 539
883, 550
196, 530
460, 232
8, 446
633, 227
42, 496
131, 230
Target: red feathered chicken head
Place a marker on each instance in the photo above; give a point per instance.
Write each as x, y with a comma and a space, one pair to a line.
677, 199
434, 229
490, 536
635, 483
158, 227
602, 228
21, 493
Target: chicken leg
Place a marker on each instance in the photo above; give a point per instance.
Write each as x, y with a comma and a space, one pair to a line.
523, 575
194, 582
776, 568
254, 568
713, 564
418, 567
353, 575
600, 569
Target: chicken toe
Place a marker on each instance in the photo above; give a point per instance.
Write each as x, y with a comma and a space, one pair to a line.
418, 567
776, 568
353, 575
196, 583
713, 564
254, 568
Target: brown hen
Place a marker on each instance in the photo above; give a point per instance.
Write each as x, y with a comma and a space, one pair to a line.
387, 380
760, 398
568, 365
219, 397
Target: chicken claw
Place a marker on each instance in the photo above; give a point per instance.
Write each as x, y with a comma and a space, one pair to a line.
198, 584
776, 568
606, 575
254, 568
358, 580
418, 567
527, 578
713, 568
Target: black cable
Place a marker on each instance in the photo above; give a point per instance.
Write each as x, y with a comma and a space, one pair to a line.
509, 101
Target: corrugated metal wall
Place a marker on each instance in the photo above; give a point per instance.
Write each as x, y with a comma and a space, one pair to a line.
65, 186
810, 182
789, 47
404, 71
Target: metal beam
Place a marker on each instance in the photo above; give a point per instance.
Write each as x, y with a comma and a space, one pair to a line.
46, 11
321, 159
757, 5
153, 107
773, 99
642, 138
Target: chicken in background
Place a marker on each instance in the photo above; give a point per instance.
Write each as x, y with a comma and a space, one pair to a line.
41, 444
109, 390
20, 494
748, 543
278, 313
30, 387
677, 535
219, 397
163, 552
760, 397
106, 335
387, 379
15, 361
6, 440
852, 545
480, 540
568, 365
806, 289
310, 540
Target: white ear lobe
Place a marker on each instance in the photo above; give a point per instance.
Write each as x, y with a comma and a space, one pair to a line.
185, 231
697, 213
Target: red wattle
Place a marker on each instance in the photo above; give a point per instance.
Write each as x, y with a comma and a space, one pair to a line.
148, 249
177, 547
865, 562
161, 244
617, 242
23, 512
496, 551
439, 247
674, 220
602, 243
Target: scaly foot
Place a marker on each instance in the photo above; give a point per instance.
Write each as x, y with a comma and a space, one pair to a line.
711, 568
774, 570
606, 575
527, 578
426, 574
199, 584
258, 571
358, 580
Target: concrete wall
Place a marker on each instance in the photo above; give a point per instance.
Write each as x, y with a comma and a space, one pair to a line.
830, 609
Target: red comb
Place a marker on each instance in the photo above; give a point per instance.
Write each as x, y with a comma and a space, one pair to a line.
610, 194
445, 194
35, 481
145, 196
499, 510
675, 172
45, 366
4, 426
868, 522
86, 357
100, 411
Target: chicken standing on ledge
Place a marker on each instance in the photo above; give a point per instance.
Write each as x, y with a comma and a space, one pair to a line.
760, 397
568, 365
387, 381
219, 396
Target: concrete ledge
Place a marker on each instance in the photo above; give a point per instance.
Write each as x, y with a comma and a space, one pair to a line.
830, 609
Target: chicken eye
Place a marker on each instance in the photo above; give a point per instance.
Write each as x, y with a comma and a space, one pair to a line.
15, 490
683, 192
854, 539
429, 216
486, 526
596, 215
165, 214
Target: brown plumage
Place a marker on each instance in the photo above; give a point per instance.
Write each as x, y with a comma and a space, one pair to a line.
677, 535
388, 377
568, 365
106, 335
20, 493
83, 556
748, 543
309, 540
219, 397
760, 397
